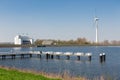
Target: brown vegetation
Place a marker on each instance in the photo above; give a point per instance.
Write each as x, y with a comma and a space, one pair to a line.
64, 76
81, 41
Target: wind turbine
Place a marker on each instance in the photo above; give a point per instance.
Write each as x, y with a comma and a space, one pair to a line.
96, 25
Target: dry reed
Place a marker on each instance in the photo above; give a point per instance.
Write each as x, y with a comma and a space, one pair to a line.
64, 76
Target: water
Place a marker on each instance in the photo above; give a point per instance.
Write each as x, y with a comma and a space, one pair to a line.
110, 68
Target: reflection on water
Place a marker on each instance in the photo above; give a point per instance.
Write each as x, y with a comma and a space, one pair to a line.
82, 67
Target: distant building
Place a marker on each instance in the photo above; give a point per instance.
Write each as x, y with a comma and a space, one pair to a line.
19, 40
48, 42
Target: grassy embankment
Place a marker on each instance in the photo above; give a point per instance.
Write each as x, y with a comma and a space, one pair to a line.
16, 74
10, 74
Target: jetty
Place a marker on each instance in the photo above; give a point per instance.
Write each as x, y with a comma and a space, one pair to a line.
48, 54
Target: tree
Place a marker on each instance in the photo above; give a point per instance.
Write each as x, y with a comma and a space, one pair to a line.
106, 42
81, 40
38, 42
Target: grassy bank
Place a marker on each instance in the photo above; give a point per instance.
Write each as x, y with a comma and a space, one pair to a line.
10, 74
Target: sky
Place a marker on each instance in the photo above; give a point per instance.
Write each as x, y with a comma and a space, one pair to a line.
59, 19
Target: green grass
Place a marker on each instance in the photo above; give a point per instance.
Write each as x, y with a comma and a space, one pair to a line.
17, 75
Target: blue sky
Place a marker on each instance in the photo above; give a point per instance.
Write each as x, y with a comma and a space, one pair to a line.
59, 19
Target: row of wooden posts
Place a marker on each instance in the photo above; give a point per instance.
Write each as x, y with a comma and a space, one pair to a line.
13, 56
102, 56
51, 56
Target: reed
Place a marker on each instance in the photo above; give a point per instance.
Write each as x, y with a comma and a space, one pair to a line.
47, 76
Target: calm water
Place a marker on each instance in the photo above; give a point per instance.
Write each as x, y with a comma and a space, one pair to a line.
110, 68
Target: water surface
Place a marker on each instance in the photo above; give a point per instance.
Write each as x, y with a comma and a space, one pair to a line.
90, 69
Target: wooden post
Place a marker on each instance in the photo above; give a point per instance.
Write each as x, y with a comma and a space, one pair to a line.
30, 55
22, 56
101, 58
68, 57
52, 56
40, 55
47, 56
3, 56
78, 57
13, 56
89, 57
104, 57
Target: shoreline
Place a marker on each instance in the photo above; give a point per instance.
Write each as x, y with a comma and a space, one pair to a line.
64, 76
12, 45
52, 76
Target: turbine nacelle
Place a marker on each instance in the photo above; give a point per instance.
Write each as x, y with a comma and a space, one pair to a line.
96, 19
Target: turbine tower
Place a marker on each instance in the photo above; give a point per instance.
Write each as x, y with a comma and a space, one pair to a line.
96, 25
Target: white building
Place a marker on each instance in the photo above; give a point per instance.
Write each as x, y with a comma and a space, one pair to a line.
18, 40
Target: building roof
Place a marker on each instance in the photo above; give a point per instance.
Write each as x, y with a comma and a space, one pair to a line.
47, 42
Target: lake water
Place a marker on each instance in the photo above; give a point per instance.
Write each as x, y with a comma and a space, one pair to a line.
94, 68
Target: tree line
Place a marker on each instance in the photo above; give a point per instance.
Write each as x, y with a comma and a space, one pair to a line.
78, 41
